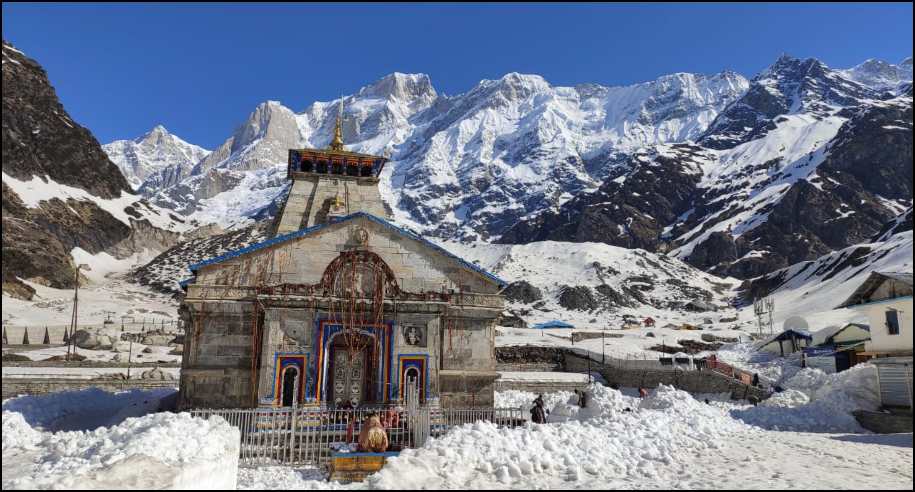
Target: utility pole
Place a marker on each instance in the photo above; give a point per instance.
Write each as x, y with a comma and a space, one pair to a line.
764, 308
603, 359
75, 304
129, 356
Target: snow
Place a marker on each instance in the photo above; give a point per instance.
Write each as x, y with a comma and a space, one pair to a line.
97, 440
669, 440
813, 289
552, 265
438, 142
54, 307
86, 409
818, 402
565, 377
87, 372
40, 189
103, 264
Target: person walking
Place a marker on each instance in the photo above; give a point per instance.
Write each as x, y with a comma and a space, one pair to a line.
538, 413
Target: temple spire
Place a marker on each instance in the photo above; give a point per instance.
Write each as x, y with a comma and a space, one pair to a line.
337, 143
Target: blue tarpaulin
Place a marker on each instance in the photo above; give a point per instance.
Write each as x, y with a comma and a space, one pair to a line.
552, 324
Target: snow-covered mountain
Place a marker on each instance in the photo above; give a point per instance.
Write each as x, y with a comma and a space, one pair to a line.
155, 160
806, 162
882, 76
821, 284
63, 198
461, 166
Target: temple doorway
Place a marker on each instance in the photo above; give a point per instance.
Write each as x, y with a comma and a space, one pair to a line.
290, 389
352, 372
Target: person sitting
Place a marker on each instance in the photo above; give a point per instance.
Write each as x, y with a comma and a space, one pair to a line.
372, 437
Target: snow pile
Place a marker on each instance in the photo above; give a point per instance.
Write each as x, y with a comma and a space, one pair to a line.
85, 409
161, 450
525, 400
612, 449
817, 402
17, 432
601, 402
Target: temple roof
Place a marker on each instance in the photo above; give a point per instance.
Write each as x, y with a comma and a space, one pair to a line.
310, 230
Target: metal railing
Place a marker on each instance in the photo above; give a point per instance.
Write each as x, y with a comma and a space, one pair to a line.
308, 435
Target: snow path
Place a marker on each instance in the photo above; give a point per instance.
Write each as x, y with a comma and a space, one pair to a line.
751, 460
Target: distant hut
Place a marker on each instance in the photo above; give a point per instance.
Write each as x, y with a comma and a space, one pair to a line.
787, 342
648, 322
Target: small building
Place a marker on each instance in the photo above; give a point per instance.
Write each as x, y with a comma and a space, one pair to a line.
848, 342
787, 342
648, 322
886, 299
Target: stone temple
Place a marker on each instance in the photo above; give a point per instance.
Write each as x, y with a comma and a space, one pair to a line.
339, 307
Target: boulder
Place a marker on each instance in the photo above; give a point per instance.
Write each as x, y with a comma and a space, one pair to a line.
162, 340
147, 350
178, 350
156, 374
121, 346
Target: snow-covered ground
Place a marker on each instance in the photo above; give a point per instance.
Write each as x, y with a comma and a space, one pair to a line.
667, 440
158, 354
112, 294
631, 344
81, 372
563, 377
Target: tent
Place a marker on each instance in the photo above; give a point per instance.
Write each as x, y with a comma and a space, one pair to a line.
552, 324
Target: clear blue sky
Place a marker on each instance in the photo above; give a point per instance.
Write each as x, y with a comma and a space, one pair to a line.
200, 69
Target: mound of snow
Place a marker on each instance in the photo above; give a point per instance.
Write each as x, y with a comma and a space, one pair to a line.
85, 409
817, 402
611, 448
155, 451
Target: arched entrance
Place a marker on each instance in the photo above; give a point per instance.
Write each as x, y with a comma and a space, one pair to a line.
352, 375
290, 389
411, 380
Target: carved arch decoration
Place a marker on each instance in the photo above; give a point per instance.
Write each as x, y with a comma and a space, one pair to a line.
359, 274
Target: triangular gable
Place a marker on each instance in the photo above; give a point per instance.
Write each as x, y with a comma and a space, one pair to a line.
314, 229
871, 284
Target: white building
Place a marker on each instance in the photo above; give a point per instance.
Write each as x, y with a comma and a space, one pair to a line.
886, 298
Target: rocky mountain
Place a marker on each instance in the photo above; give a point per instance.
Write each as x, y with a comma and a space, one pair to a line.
60, 190
463, 166
820, 284
806, 162
155, 160
882, 76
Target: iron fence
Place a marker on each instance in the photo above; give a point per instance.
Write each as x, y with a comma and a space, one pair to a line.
308, 435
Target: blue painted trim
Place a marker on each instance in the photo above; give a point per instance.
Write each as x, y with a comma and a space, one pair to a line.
396, 386
276, 357
308, 230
